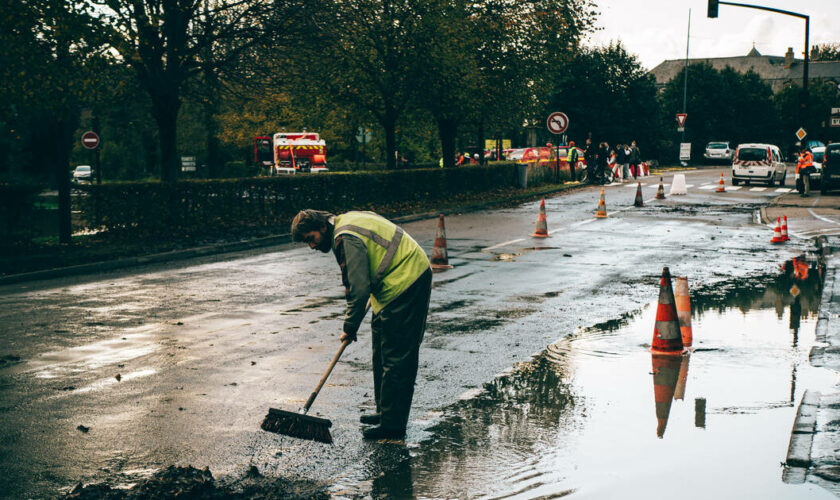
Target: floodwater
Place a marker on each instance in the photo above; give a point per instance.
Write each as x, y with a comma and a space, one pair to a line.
597, 416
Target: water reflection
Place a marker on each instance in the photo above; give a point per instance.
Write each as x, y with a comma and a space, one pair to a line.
666, 372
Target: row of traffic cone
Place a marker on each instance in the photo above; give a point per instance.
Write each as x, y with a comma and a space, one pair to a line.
780, 233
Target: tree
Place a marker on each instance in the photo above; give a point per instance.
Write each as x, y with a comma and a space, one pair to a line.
825, 52
170, 42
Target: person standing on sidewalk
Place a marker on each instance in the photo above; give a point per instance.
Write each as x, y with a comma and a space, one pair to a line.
572, 158
379, 262
635, 159
804, 167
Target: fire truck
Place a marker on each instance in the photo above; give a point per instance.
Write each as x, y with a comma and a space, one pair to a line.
299, 152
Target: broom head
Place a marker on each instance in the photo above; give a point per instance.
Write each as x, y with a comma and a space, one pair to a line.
297, 425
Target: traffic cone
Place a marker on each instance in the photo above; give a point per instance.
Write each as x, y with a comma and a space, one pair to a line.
678, 185
666, 371
667, 338
542, 226
784, 229
777, 233
639, 201
660, 193
721, 186
683, 301
602, 207
679, 391
440, 260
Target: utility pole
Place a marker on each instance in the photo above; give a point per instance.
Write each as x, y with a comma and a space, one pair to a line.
685, 79
803, 111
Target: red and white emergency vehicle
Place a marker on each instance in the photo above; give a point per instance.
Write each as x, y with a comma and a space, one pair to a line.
299, 152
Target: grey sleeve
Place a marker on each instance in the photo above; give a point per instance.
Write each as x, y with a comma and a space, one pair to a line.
356, 277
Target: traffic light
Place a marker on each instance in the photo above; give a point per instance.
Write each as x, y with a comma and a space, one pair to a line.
713, 8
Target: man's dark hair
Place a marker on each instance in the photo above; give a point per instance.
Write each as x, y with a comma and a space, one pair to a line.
307, 221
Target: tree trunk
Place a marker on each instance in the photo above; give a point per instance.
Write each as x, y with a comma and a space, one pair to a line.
389, 123
165, 110
480, 140
62, 143
447, 128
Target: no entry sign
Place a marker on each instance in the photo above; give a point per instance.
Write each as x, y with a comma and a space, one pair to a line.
557, 122
90, 140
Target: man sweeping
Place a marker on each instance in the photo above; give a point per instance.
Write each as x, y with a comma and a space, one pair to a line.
381, 262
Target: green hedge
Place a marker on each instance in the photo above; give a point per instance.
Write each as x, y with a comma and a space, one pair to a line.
17, 209
191, 206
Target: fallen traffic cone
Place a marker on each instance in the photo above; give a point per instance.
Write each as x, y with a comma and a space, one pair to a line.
660, 193
721, 186
639, 201
777, 233
784, 229
542, 226
678, 185
666, 371
602, 207
667, 338
440, 260
683, 301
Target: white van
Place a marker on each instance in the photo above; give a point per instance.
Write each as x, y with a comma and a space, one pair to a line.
758, 163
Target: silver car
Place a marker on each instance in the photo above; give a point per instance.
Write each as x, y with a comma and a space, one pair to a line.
819, 154
718, 151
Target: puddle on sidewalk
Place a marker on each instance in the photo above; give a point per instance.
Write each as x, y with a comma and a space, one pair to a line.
597, 416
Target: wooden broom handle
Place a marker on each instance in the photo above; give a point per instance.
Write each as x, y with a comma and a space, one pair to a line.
329, 369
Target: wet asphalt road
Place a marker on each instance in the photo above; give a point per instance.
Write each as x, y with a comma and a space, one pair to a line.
203, 348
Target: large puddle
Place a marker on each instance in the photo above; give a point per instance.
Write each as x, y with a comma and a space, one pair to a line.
597, 416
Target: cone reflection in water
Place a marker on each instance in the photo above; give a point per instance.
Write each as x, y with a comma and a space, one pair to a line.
721, 186
679, 392
602, 207
639, 202
440, 259
660, 193
683, 302
666, 371
667, 338
777, 233
542, 224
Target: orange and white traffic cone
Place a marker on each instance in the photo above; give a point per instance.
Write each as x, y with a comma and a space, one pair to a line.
666, 371
542, 226
683, 301
777, 233
784, 229
721, 186
440, 260
660, 193
667, 338
639, 202
602, 207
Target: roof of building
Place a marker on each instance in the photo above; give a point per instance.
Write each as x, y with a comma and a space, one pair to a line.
770, 68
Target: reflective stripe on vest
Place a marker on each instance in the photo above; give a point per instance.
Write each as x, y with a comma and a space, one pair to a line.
389, 246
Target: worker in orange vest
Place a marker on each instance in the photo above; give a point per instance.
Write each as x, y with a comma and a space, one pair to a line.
804, 167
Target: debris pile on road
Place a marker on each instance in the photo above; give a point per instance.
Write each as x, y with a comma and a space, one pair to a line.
189, 482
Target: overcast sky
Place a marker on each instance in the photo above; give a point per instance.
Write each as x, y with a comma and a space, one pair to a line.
655, 30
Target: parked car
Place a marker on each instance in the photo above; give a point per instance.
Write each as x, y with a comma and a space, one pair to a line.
718, 151
515, 154
755, 162
82, 173
818, 155
830, 178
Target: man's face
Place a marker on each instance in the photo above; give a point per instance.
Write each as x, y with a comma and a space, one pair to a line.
317, 240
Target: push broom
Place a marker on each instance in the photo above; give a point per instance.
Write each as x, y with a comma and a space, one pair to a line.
299, 424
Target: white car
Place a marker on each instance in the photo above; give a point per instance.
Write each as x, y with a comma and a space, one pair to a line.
718, 151
818, 154
755, 162
82, 173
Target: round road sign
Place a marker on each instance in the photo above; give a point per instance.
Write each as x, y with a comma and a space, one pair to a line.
557, 122
90, 140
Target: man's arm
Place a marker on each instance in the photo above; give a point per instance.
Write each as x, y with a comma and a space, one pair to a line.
351, 253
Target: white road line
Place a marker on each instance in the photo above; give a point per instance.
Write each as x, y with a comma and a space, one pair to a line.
784, 190
707, 186
487, 249
758, 189
820, 217
689, 186
733, 188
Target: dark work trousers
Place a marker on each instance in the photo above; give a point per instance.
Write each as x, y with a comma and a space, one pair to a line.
397, 332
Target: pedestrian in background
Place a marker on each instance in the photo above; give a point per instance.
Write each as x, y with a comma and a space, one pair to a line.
572, 158
621, 160
590, 156
804, 167
379, 262
602, 161
635, 159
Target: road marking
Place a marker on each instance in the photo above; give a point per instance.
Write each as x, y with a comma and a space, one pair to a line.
487, 249
689, 186
784, 190
733, 188
811, 211
707, 186
758, 189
